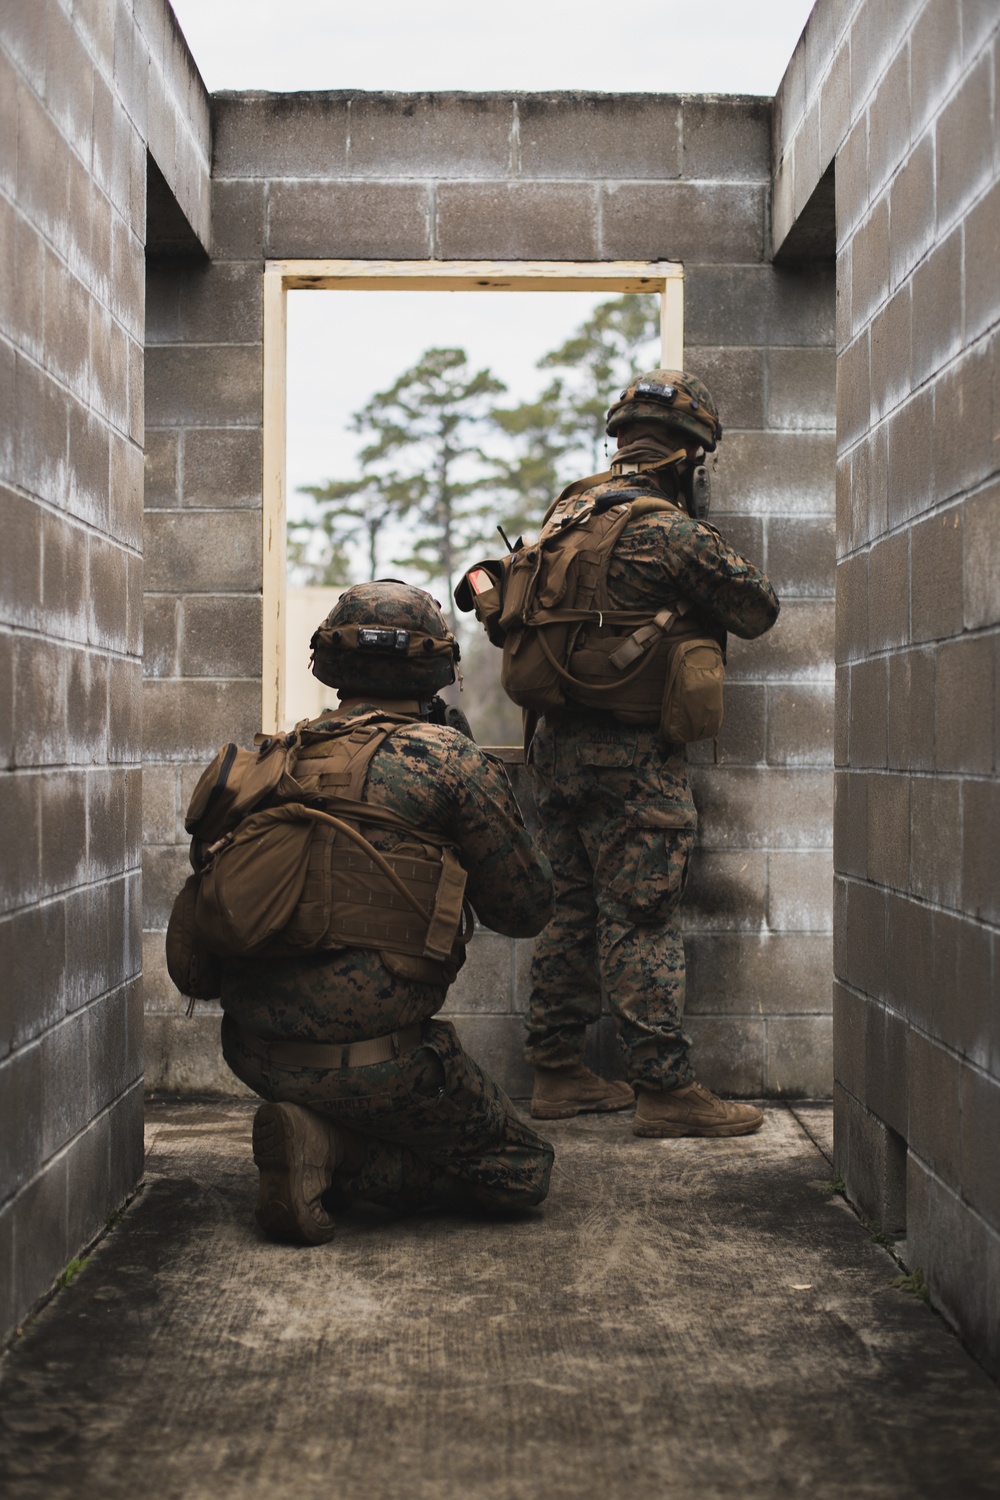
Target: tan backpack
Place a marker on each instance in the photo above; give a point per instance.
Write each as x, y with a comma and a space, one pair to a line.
282, 867
547, 606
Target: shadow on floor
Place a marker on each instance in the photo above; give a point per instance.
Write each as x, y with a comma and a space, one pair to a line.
683, 1318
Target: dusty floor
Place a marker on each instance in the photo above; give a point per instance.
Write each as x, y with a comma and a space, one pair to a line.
682, 1319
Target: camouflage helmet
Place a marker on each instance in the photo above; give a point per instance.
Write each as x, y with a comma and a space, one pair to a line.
672, 398
385, 638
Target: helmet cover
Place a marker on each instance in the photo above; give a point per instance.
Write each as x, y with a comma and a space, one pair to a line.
386, 638
672, 399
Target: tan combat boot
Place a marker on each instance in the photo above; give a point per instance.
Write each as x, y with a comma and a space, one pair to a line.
562, 1092
693, 1110
297, 1152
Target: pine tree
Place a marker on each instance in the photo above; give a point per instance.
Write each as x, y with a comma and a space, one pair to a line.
539, 441
345, 506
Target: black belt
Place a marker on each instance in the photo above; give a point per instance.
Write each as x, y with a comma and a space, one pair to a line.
335, 1054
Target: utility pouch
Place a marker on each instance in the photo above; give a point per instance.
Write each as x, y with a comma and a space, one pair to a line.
251, 885
482, 590
693, 692
195, 970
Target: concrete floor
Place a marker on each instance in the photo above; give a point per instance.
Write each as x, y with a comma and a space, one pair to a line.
682, 1319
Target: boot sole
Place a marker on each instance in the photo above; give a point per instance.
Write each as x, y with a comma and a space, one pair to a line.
274, 1150
566, 1111
674, 1132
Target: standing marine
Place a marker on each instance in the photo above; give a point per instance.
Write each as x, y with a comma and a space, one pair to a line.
613, 627
337, 903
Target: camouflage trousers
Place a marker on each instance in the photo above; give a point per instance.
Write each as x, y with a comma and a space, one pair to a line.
618, 824
437, 1130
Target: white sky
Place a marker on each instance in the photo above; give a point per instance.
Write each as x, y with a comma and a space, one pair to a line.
345, 346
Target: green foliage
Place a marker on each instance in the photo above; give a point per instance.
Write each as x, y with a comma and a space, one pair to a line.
913, 1283
606, 350
72, 1270
835, 1185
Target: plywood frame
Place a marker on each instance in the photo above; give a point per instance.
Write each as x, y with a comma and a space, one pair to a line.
281, 276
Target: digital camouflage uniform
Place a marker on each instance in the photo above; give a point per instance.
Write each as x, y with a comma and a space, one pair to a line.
618, 820
437, 1129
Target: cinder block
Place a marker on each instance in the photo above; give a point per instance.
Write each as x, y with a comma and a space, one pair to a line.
442, 136
891, 353
517, 221
981, 558
800, 892
889, 120
854, 389
64, 1053
936, 582
799, 645
63, 803
768, 808
800, 556
593, 136
964, 702
7, 643
32, 947
935, 59
188, 721
162, 471
863, 934
128, 278
910, 983
212, 386
281, 135
160, 997
850, 823
42, 167
723, 138
87, 488
126, 497
981, 850
40, 431
131, 67
935, 1119
835, 98
798, 1059
870, 480
787, 473
801, 391
484, 986
203, 552
22, 316
728, 1054
980, 1131
936, 839
869, 723
87, 708
872, 1161
65, 593
808, 170
106, 853
87, 1205
107, 625
125, 1147
708, 222
221, 468
742, 739
726, 892
108, 1027
22, 1117
852, 182
21, 560
965, 142
736, 379
351, 220
889, 593
237, 220
124, 689
850, 1039
869, 259
41, 1249
800, 725
20, 806
963, 443
911, 192
962, 1012
220, 304
220, 637
954, 1249
40, 683
728, 305
66, 338
758, 975
982, 251
184, 1056
889, 830
937, 307
910, 486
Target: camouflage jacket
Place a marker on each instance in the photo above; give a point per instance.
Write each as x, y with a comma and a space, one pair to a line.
434, 778
662, 558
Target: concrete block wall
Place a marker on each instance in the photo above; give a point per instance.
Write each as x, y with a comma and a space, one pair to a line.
575, 177
78, 85
905, 97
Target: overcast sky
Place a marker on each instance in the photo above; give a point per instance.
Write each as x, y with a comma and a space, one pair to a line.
345, 346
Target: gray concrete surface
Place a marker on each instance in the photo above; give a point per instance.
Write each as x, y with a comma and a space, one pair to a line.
683, 1318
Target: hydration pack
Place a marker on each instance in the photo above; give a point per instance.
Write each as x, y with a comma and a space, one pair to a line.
283, 869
